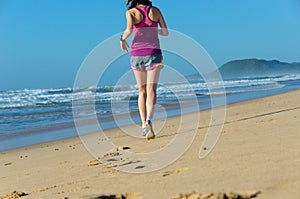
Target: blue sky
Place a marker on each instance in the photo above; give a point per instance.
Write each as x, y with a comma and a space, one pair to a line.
43, 43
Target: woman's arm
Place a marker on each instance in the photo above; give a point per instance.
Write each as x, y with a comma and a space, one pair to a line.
127, 32
162, 23
129, 26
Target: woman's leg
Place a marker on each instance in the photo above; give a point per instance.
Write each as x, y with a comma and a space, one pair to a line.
152, 81
141, 80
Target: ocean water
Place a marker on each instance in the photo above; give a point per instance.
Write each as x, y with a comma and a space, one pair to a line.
33, 116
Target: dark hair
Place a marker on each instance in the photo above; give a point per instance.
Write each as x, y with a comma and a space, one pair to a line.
132, 3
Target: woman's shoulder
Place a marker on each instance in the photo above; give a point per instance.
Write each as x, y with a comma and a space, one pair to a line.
155, 9
131, 11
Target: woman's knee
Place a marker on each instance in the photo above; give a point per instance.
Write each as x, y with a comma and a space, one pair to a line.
151, 88
142, 90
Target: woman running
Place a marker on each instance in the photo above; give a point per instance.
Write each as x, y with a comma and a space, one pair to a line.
145, 55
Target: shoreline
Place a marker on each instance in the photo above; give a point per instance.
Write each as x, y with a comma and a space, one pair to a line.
258, 151
67, 129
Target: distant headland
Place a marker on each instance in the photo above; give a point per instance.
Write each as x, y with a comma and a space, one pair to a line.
258, 68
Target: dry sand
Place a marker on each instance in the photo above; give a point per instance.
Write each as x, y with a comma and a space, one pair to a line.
257, 156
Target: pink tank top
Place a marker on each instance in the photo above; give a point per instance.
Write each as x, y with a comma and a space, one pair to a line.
145, 40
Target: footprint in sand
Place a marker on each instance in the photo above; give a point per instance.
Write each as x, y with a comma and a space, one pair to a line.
116, 158
175, 171
111, 156
116, 152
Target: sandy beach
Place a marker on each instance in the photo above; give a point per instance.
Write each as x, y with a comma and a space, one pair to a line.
257, 156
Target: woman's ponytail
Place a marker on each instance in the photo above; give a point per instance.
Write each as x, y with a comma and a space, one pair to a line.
133, 3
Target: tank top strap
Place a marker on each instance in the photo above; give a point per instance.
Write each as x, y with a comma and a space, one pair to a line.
144, 10
147, 10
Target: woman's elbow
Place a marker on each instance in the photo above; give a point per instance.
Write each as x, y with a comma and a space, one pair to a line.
128, 31
164, 32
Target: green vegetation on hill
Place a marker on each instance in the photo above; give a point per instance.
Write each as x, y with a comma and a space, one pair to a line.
258, 68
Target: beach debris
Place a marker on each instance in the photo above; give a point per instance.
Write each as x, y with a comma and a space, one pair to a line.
219, 195
8, 164
13, 195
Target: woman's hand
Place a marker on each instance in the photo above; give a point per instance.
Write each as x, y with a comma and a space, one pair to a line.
124, 45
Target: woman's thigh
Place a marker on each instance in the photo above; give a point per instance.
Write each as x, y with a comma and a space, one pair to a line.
153, 76
140, 77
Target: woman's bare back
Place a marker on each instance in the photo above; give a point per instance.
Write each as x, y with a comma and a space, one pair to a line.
154, 15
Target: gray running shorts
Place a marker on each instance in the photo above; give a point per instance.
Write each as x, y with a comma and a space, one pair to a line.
146, 63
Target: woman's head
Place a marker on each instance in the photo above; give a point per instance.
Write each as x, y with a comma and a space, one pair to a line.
132, 3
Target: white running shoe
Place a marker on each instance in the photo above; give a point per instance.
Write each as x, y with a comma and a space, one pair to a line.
144, 131
150, 135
